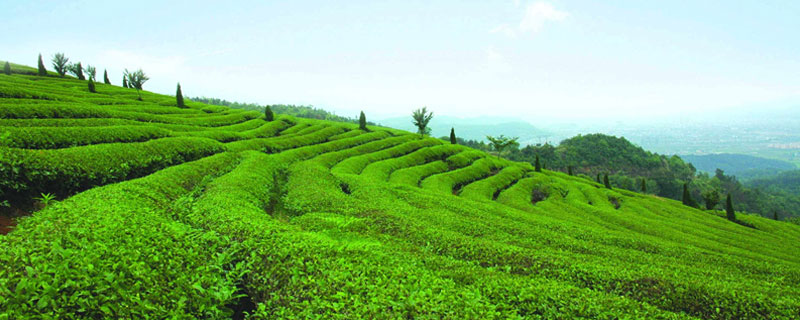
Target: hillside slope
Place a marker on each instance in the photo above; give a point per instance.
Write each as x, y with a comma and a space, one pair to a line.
210, 212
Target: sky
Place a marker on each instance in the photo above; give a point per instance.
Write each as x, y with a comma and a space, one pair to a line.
530, 60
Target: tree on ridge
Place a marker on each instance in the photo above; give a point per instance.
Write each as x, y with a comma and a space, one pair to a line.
501, 142
421, 119
362, 121
60, 64
179, 97
136, 80
42, 70
268, 115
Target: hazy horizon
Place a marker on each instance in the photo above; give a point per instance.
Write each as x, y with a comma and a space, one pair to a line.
577, 60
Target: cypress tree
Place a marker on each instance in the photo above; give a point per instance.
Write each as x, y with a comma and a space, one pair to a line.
537, 164
268, 115
775, 215
644, 185
569, 170
686, 195
91, 86
42, 70
598, 179
453, 136
105, 77
606, 182
362, 121
125, 82
7, 69
729, 209
179, 97
79, 71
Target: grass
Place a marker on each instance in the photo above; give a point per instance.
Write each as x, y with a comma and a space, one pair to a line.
208, 212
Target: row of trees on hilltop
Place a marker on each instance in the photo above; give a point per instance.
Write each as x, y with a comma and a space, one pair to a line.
62, 66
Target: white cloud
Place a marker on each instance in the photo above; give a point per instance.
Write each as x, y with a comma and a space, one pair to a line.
536, 15
496, 62
506, 30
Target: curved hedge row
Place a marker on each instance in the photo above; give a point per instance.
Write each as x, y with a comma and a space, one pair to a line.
66, 171
381, 170
413, 175
65, 137
330, 159
357, 163
72, 110
307, 152
266, 130
485, 189
448, 181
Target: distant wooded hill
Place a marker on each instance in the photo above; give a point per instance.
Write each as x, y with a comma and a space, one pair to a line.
740, 165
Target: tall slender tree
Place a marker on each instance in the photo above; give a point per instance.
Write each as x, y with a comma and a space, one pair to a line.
775, 215
124, 81
606, 182
60, 64
268, 115
687, 197
362, 121
7, 68
91, 86
105, 77
537, 165
453, 139
729, 212
569, 170
179, 97
598, 179
42, 70
421, 119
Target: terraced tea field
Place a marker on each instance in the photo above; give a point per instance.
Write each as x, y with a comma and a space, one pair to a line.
210, 212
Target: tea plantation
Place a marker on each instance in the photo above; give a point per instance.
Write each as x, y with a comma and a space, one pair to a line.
210, 212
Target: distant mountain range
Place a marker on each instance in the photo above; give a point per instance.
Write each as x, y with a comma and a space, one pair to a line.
739, 165
475, 128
